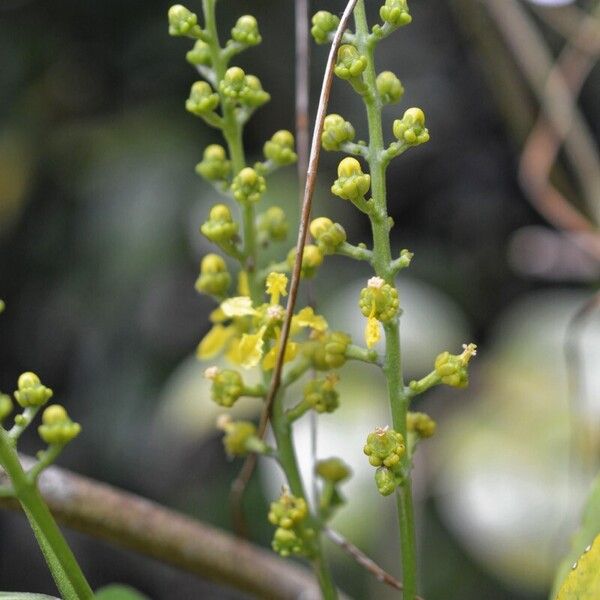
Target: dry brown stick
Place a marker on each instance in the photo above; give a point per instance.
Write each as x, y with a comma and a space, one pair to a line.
240, 483
364, 561
127, 520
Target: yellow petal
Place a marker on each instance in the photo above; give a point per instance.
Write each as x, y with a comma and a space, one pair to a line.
276, 286
291, 350
307, 318
217, 315
214, 341
240, 306
248, 351
372, 332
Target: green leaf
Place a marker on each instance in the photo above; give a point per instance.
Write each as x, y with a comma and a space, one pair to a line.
119, 592
583, 581
590, 528
24, 596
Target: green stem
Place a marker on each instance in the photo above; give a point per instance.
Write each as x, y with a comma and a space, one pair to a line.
382, 260
289, 463
66, 572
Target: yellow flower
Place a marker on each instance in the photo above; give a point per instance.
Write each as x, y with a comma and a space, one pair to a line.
291, 350
214, 341
217, 315
239, 306
243, 286
307, 318
247, 352
276, 286
372, 332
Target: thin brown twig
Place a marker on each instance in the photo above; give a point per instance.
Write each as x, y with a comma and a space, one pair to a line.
129, 521
240, 483
364, 561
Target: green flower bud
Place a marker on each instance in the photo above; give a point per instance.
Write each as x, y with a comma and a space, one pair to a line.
6, 406
384, 447
286, 542
273, 222
202, 99
312, 259
31, 392
233, 83
240, 436
280, 148
421, 424
335, 349
214, 278
333, 470
2, 306
385, 481
395, 12
199, 54
220, 226
452, 368
336, 131
227, 386
351, 183
411, 128
246, 31
248, 186
379, 300
253, 94
214, 165
323, 23
57, 427
183, 22
389, 87
322, 395
288, 511
350, 63
328, 235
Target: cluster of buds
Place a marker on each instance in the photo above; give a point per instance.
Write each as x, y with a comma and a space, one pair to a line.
420, 424
328, 235
328, 351
280, 148
199, 55
227, 386
333, 470
312, 259
410, 129
240, 437
220, 226
350, 62
214, 165
183, 22
31, 392
289, 514
336, 131
202, 99
242, 88
246, 31
273, 224
379, 300
57, 427
386, 481
452, 368
248, 186
351, 184
389, 87
395, 12
321, 394
214, 278
385, 447
323, 25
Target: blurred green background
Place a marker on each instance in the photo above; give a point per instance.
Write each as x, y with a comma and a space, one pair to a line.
99, 247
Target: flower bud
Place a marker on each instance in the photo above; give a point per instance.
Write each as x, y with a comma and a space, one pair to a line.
57, 427
246, 31
323, 23
214, 165
214, 278
351, 183
350, 63
280, 148
202, 99
220, 226
411, 128
452, 368
395, 12
335, 349
6, 406
322, 395
183, 22
31, 392
248, 186
253, 94
199, 54
336, 131
288, 512
328, 235
227, 386
389, 87
286, 542
421, 424
312, 259
333, 470
385, 481
384, 447
379, 300
233, 83
239, 436
273, 223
